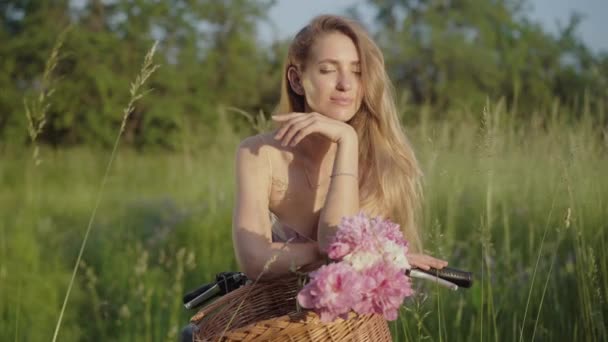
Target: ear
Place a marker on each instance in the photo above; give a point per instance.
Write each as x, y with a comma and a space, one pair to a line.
295, 80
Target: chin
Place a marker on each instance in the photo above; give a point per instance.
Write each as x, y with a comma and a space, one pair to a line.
342, 114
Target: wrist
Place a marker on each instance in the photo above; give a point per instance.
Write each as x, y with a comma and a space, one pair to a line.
349, 137
350, 174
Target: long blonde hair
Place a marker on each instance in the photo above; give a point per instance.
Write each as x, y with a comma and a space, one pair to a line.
390, 177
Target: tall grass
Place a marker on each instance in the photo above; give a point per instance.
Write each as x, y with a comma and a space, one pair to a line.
137, 93
523, 205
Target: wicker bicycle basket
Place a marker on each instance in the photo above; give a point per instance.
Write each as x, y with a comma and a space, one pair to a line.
267, 311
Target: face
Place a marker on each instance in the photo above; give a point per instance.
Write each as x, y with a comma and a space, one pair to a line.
331, 80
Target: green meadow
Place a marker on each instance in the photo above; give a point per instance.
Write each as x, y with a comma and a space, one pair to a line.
515, 190
522, 205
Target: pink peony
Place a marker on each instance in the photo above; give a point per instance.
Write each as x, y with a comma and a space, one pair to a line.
369, 275
360, 233
389, 287
332, 291
338, 249
390, 231
355, 233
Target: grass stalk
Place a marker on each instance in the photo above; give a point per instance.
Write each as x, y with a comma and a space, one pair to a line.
538, 257
137, 93
36, 109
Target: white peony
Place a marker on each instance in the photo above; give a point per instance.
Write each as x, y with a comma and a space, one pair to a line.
362, 259
396, 255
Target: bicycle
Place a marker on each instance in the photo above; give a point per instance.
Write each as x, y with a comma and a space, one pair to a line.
266, 310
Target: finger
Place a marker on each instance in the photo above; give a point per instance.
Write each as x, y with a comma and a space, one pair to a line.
287, 125
302, 134
290, 129
439, 261
436, 263
294, 129
422, 265
428, 259
286, 117
418, 261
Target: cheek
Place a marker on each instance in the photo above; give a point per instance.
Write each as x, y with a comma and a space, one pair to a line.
359, 95
317, 90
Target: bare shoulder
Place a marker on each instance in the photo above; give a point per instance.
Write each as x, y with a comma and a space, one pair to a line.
264, 145
256, 161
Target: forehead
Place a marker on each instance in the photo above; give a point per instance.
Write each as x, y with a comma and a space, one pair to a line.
334, 46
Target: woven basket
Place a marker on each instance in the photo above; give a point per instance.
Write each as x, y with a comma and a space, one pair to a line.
267, 311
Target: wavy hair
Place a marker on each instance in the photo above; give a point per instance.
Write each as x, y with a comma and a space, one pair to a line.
389, 174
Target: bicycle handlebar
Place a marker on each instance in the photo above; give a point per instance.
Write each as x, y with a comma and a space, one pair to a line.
447, 276
224, 282
228, 281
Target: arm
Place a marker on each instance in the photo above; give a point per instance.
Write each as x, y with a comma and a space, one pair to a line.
251, 227
343, 194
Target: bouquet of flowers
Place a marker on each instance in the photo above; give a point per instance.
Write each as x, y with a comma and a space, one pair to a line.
367, 275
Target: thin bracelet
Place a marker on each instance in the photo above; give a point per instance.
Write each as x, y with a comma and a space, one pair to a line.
345, 174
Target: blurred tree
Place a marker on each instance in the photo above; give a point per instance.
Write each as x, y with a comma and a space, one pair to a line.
458, 52
28, 30
448, 53
210, 57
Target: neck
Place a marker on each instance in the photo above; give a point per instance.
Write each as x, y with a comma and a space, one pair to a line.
318, 150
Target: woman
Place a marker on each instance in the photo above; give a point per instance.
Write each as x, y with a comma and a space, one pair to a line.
339, 149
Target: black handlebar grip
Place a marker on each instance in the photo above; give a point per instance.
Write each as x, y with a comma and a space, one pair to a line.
458, 277
225, 282
195, 293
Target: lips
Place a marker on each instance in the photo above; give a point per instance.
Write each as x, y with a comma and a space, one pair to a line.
341, 100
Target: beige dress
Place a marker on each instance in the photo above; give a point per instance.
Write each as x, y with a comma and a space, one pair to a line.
283, 233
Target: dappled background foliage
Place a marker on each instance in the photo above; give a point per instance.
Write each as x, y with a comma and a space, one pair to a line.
449, 54
208, 52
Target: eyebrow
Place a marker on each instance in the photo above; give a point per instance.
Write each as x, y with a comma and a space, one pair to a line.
335, 61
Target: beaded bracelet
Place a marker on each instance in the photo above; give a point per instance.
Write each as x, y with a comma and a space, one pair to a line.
345, 174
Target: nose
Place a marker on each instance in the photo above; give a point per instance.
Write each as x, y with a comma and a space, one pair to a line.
345, 82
